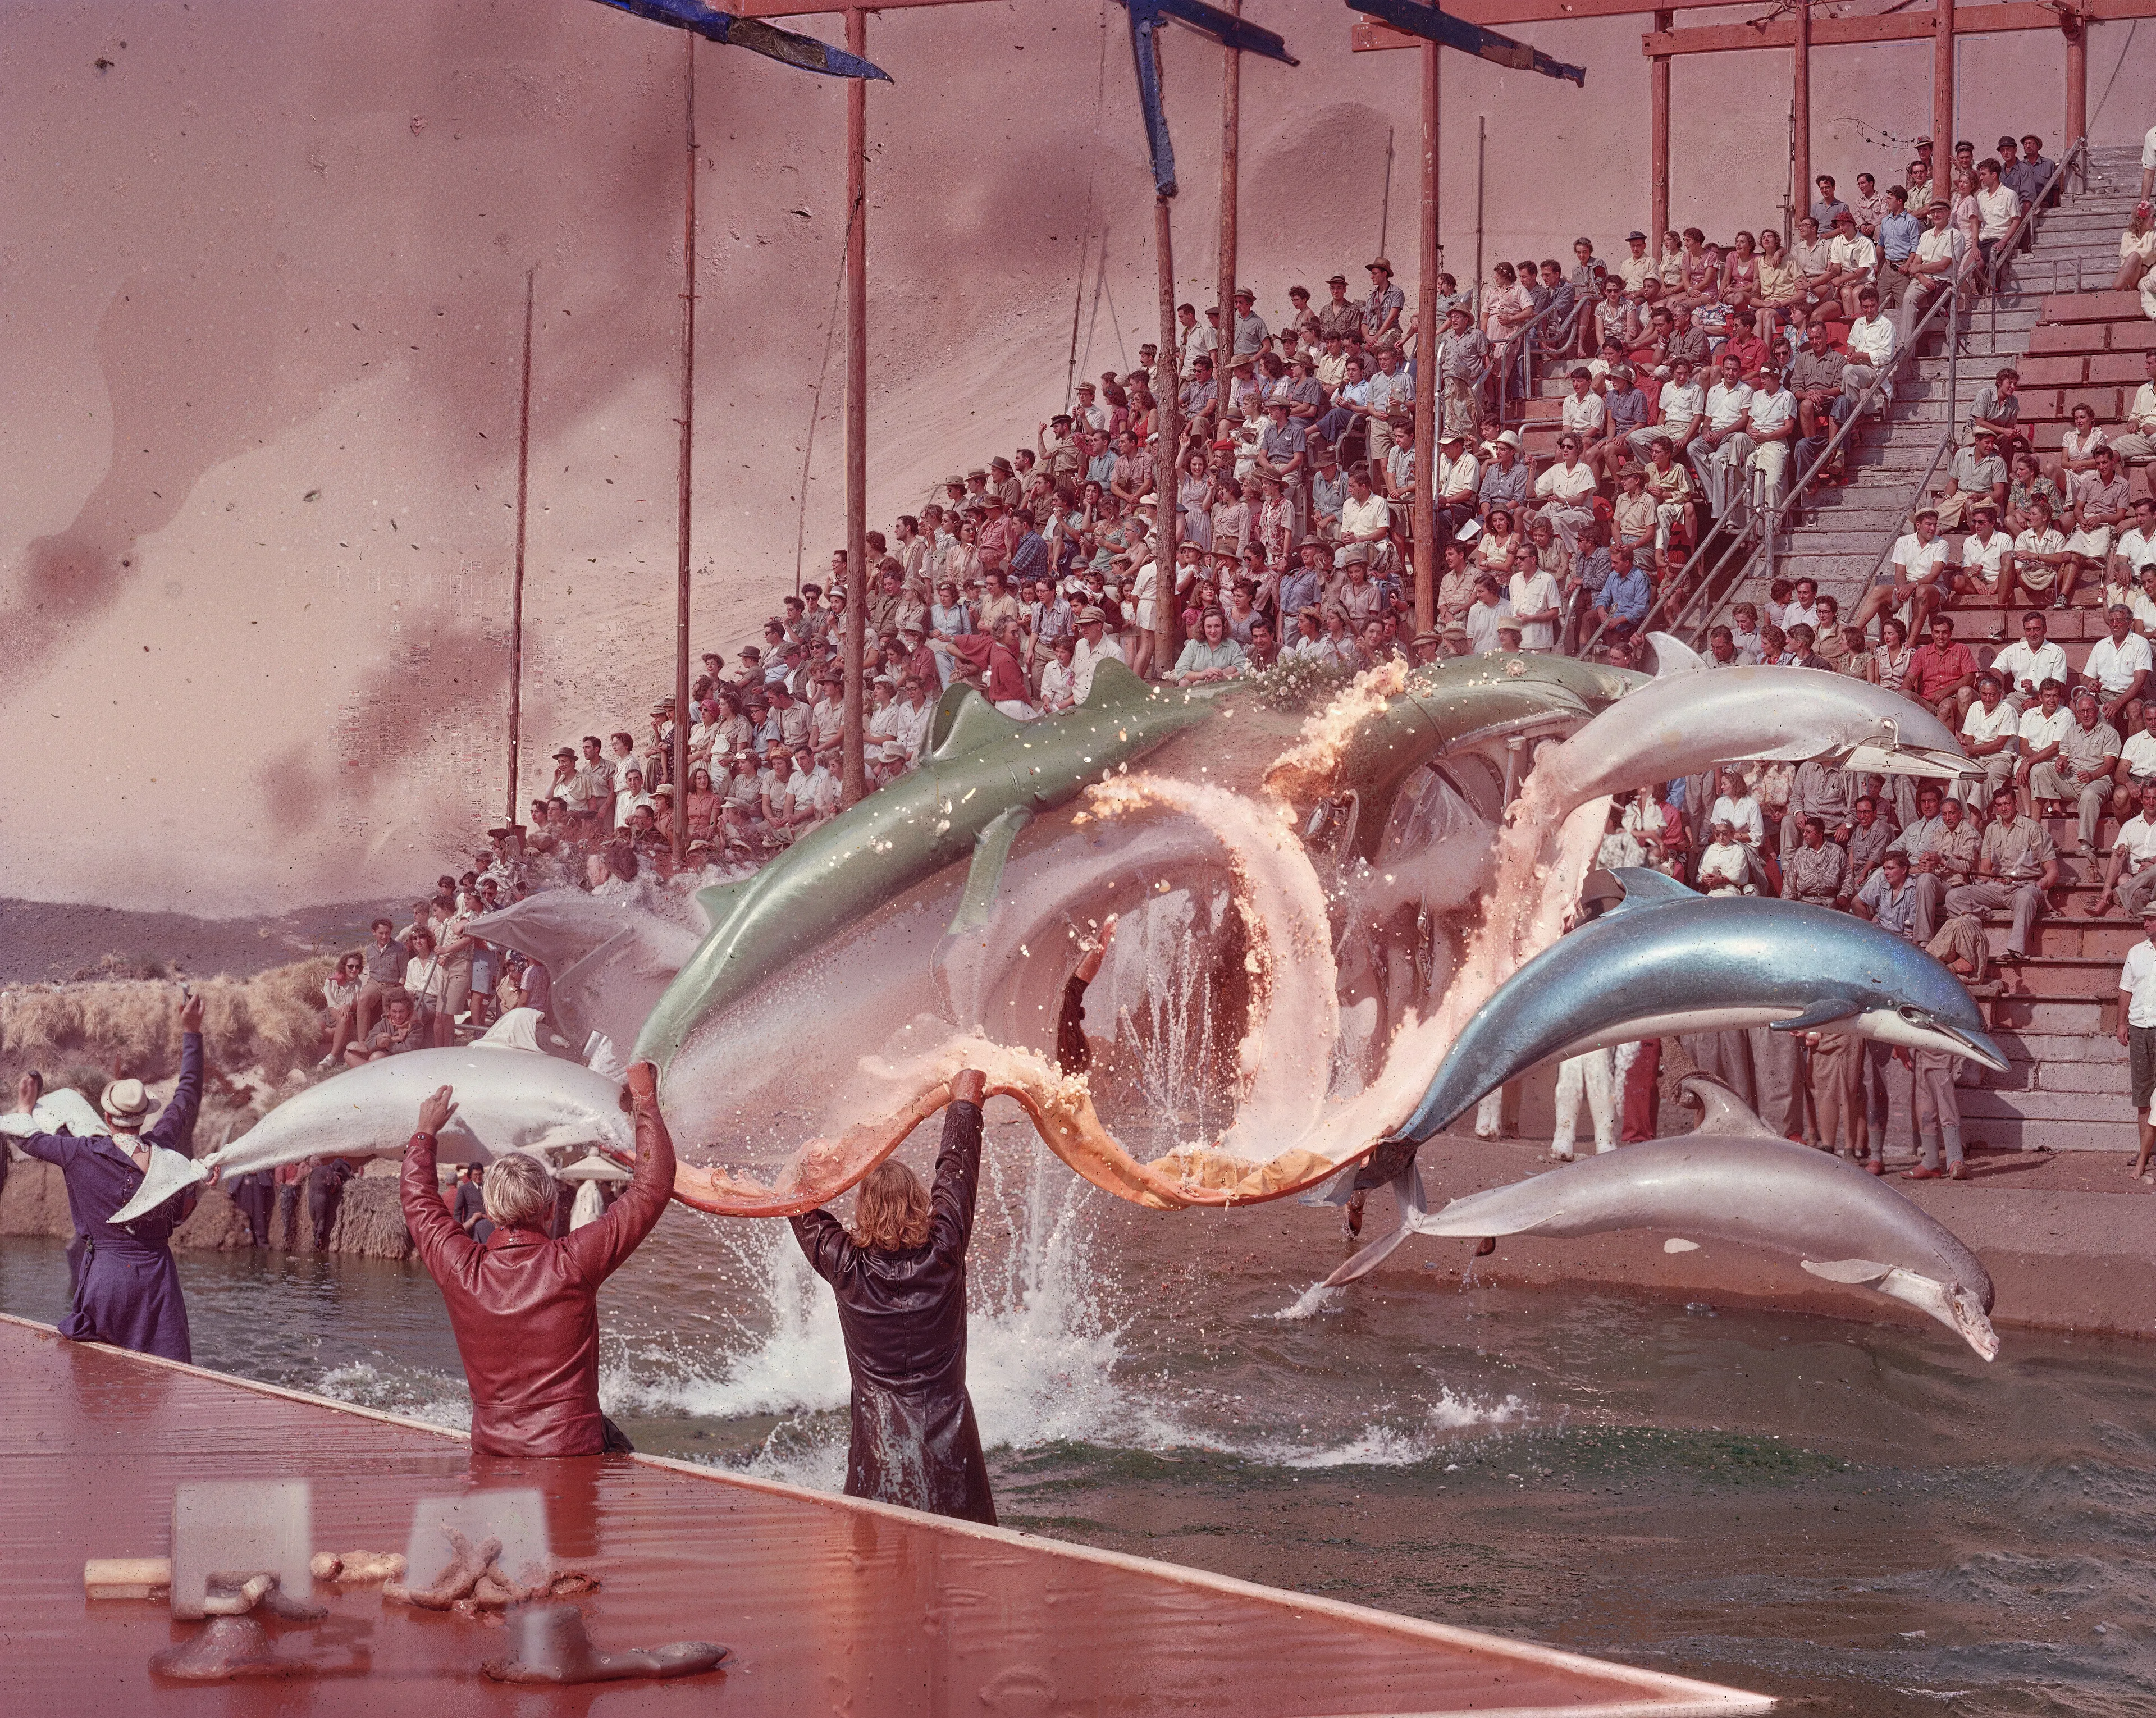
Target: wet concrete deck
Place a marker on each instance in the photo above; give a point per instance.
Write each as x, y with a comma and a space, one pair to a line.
830, 1605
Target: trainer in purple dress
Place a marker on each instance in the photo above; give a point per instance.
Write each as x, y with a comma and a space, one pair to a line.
126, 1287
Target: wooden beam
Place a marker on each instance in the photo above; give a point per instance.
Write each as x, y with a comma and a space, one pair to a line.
1423, 498
852, 758
1982, 20
1942, 80
1658, 145
1369, 35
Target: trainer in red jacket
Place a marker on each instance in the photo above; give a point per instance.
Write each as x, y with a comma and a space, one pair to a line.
524, 1307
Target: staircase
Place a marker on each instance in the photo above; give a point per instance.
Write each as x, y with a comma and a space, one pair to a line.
1848, 528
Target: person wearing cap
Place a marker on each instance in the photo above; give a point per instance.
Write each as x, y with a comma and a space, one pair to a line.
1505, 484
124, 1287
1248, 334
1456, 480
1771, 427
1382, 308
1638, 268
1339, 316
1427, 647
1304, 584
1975, 474
563, 782
1095, 646
1943, 257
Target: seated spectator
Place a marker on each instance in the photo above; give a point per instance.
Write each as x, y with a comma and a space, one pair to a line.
2129, 878
1725, 863
2101, 505
2137, 249
2016, 868
400, 1030
1888, 897
1990, 734
2036, 564
2138, 444
1813, 870
1976, 473
2119, 668
1210, 655
2080, 774
1917, 577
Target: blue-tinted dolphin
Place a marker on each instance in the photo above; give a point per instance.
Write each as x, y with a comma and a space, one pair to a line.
1735, 1180
1666, 960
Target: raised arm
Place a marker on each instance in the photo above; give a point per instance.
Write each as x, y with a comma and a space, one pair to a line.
175, 1128
957, 1166
599, 1248
442, 1245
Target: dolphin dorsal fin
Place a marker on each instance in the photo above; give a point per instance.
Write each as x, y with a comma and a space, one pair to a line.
1115, 687
965, 721
717, 902
1673, 656
1644, 888
1722, 1114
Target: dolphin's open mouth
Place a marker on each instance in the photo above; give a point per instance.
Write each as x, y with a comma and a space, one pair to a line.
1918, 1029
1977, 1045
1952, 1305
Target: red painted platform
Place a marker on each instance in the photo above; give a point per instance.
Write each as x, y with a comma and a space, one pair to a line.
830, 1605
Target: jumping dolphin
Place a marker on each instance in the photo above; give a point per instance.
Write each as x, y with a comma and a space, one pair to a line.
507, 1100
1682, 723
981, 776
1666, 960
1735, 1180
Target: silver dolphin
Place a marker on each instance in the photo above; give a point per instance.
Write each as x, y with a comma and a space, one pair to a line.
609, 961
507, 1100
1681, 723
1734, 1179
1666, 960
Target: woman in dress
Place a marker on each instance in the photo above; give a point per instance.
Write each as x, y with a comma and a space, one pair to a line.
1893, 655
340, 995
1509, 307
1242, 611
1231, 516
1493, 551
1740, 278
1779, 290
2078, 445
703, 807
2028, 482
1194, 498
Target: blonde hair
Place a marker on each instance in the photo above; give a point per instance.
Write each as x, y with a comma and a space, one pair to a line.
891, 1210
518, 1190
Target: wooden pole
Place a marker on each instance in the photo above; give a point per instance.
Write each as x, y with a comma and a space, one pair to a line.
1658, 146
1482, 157
516, 579
1231, 130
1800, 104
2076, 29
1942, 93
857, 406
688, 428
1423, 506
1166, 606
1385, 208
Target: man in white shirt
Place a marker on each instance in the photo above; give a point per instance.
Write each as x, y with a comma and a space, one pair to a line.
2136, 976
2138, 443
1998, 207
1984, 553
1989, 733
2043, 729
2030, 659
1771, 427
2136, 547
1584, 412
2130, 878
2118, 667
1456, 476
1871, 351
1365, 517
1852, 261
1725, 863
1536, 603
1720, 451
914, 710
1917, 576
1681, 403
1094, 647
1941, 258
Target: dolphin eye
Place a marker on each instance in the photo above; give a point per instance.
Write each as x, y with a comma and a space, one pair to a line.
1915, 1016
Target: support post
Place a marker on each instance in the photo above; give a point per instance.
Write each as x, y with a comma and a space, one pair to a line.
1658, 146
680, 832
1423, 510
2076, 29
855, 784
1167, 392
516, 577
1231, 137
1800, 107
1481, 161
1942, 90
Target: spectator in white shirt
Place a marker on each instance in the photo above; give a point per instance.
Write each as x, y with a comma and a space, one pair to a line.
1871, 350
1771, 427
2031, 660
1989, 733
2043, 729
2136, 976
1567, 491
1721, 450
2118, 667
2136, 547
1725, 864
2130, 878
1998, 207
2038, 554
1917, 576
1853, 262
1584, 412
1984, 553
1536, 603
2138, 444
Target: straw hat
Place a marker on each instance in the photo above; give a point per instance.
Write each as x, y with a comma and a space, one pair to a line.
125, 1101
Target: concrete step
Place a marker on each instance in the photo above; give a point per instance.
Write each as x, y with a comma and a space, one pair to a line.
2105, 306
2112, 1081
2050, 1015
2137, 335
1985, 1103
2068, 939
2005, 1131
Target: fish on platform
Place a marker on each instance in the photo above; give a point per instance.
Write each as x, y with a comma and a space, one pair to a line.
1736, 1180
507, 1100
981, 778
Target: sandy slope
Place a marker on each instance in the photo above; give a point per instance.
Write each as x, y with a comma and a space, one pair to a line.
264, 268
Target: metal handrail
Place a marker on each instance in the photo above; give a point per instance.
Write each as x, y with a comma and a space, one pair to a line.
1503, 365
2007, 246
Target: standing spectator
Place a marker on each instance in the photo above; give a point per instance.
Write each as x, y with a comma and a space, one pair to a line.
2137, 1026
385, 957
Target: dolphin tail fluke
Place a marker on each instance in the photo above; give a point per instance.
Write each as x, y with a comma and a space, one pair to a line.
169, 1173
1407, 1188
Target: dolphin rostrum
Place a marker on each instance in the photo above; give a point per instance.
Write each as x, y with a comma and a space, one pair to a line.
1665, 962
1734, 1179
507, 1100
982, 774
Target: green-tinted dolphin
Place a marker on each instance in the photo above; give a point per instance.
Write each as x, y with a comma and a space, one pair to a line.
982, 776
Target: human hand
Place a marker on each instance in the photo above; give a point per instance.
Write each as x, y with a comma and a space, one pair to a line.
191, 1011
436, 1110
643, 1081
27, 1091
969, 1086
